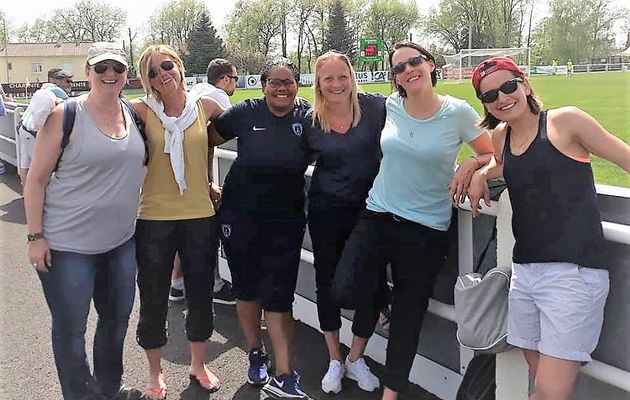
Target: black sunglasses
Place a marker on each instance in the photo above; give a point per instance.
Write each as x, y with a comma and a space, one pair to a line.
235, 77
276, 83
413, 61
508, 87
166, 65
101, 67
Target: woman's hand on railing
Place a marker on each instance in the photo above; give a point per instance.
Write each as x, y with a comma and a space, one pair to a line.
478, 190
39, 255
458, 187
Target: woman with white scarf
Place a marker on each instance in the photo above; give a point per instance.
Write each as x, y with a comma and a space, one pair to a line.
175, 215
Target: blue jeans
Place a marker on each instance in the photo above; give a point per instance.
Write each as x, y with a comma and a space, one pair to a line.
73, 281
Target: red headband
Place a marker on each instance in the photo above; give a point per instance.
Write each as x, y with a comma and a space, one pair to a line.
491, 65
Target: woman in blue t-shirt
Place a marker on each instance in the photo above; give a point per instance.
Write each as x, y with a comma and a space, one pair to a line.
409, 205
344, 137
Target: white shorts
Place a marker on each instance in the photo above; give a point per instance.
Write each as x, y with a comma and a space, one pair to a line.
27, 144
557, 309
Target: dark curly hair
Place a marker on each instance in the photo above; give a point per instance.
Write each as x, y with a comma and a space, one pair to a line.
278, 62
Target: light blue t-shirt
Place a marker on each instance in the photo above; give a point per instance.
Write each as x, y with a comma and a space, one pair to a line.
418, 161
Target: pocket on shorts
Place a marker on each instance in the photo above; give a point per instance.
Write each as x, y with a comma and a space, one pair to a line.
596, 281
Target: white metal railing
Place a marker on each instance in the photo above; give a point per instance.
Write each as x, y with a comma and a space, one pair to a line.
613, 232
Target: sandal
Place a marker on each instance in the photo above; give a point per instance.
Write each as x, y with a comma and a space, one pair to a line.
208, 382
155, 393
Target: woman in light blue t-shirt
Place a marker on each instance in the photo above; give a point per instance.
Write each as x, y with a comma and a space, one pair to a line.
409, 205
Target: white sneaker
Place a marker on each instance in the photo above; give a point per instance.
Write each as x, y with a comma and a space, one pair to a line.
331, 383
360, 372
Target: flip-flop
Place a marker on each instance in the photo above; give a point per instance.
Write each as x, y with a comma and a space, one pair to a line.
206, 382
155, 393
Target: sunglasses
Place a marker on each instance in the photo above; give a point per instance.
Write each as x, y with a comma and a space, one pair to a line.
101, 67
165, 65
235, 77
276, 83
413, 61
508, 87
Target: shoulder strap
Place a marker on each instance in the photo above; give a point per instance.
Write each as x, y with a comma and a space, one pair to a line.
69, 114
139, 124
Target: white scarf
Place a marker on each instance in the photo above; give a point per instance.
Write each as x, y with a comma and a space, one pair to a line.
174, 128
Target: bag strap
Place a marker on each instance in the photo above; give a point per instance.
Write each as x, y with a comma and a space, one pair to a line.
69, 114
482, 257
140, 125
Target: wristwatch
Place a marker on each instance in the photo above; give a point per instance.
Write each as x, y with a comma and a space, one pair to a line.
31, 237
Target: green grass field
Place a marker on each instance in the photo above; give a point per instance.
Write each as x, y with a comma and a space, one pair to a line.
606, 96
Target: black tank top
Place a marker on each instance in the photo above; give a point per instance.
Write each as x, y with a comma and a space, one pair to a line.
556, 216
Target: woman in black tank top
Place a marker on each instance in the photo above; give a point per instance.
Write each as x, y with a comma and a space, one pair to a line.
544, 158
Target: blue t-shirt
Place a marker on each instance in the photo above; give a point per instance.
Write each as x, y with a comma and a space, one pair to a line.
268, 173
347, 163
418, 161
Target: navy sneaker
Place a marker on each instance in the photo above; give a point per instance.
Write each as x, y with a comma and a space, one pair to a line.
258, 372
285, 386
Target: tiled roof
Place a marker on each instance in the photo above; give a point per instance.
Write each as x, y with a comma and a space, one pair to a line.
46, 49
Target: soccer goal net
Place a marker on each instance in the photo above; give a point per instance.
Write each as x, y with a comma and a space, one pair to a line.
460, 66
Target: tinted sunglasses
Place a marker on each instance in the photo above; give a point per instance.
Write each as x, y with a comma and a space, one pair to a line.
276, 83
413, 61
101, 67
166, 65
508, 87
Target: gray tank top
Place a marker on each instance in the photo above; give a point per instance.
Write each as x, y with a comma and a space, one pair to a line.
92, 199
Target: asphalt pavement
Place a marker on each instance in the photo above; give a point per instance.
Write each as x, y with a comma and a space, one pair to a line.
27, 369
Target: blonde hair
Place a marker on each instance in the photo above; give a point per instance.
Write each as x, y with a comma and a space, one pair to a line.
319, 106
145, 64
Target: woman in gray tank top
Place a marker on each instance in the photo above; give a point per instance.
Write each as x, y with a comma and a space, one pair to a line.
81, 203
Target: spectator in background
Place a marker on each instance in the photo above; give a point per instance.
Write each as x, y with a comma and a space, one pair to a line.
44, 100
222, 78
58, 82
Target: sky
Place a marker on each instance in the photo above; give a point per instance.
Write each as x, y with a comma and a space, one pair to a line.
138, 13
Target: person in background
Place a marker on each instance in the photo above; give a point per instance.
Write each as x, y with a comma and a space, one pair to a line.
344, 137
559, 281
222, 79
81, 227
409, 207
262, 218
176, 215
59, 82
42, 103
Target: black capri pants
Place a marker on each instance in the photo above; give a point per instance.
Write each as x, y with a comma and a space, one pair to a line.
156, 245
263, 253
329, 230
416, 253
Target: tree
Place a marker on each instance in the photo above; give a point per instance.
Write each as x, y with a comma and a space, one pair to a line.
488, 23
203, 45
172, 23
302, 13
246, 60
575, 29
390, 20
338, 36
85, 21
255, 25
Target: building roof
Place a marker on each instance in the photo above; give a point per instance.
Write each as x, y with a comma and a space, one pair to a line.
46, 49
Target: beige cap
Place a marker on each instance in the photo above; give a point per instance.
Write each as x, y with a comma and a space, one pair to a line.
101, 51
